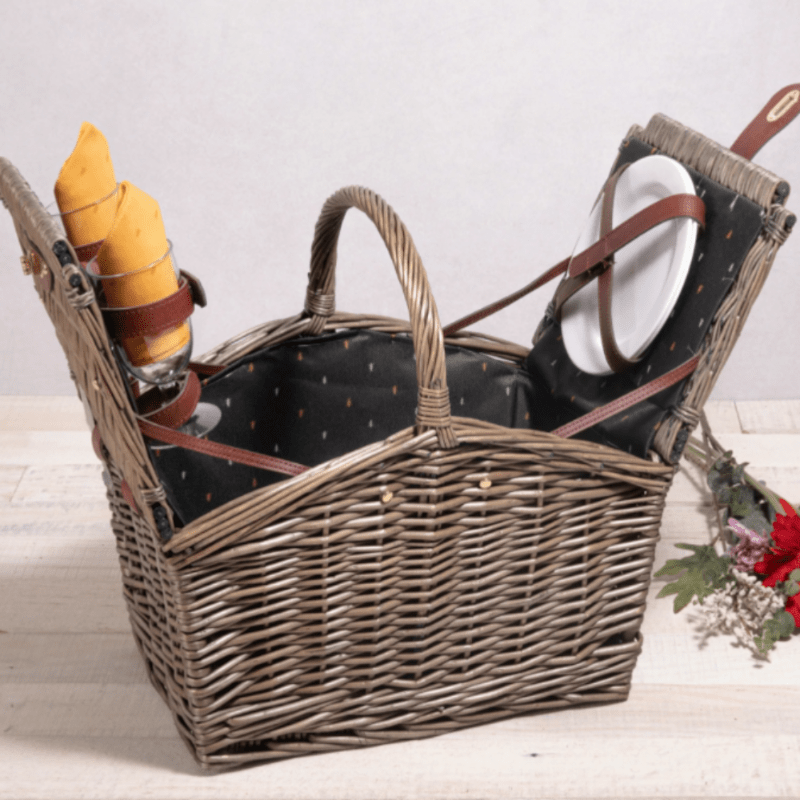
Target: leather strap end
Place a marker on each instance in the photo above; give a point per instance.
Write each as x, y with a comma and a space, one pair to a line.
779, 111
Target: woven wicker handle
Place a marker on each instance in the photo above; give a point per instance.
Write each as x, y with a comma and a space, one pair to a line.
433, 407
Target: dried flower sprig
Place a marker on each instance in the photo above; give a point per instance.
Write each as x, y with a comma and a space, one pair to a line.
752, 590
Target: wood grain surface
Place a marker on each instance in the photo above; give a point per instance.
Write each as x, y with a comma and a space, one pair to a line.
79, 719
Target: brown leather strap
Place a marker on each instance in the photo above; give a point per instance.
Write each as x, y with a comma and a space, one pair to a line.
153, 318
207, 370
781, 109
676, 205
87, 252
614, 357
178, 410
594, 260
498, 305
168, 436
585, 266
628, 400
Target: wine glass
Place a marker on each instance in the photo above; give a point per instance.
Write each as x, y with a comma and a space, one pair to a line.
157, 361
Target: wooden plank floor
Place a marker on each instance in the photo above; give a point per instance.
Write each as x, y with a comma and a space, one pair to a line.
78, 718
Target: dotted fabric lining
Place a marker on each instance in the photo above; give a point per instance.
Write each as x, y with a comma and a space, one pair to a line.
313, 399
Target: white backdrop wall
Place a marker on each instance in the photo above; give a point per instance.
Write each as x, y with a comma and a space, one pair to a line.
489, 127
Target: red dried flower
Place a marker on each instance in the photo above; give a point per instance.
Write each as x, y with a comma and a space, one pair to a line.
784, 557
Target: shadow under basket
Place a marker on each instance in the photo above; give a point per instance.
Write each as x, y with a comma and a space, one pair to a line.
449, 570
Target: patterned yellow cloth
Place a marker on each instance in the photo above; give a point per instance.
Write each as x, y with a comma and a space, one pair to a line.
136, 240
86, 178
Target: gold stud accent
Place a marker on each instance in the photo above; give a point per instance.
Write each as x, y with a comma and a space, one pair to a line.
250, 367
301, 412
252, 425
346, 344
484, 366
299, 356
729, 234
700, 288
527, 415
255, 483
485, 483
386, 496
208, 497
394, 389
672, 347
349, 402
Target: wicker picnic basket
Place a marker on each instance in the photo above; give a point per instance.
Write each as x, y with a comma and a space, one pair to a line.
456, 572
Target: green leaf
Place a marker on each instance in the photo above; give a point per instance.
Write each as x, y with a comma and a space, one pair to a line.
790, 588
780, 626
756, 520
785, 623
699, 574
794, 575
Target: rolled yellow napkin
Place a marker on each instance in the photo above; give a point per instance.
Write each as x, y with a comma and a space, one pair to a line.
85, 187
137, 239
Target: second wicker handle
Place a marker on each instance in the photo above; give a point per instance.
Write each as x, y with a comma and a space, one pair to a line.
433, 402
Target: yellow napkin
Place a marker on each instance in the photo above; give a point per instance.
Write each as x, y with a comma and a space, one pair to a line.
137, 239
87, 177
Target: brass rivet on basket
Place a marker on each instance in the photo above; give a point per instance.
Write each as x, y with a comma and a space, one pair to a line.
387, 496
27, 268
485, 483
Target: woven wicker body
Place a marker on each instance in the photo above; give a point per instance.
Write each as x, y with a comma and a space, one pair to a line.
456, 573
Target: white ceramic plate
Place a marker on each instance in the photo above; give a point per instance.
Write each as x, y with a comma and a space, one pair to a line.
649, 273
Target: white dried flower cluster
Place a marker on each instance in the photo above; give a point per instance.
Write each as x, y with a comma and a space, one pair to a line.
740, 609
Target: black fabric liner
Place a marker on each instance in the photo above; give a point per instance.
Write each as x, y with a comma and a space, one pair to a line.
316, 398
313, 399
